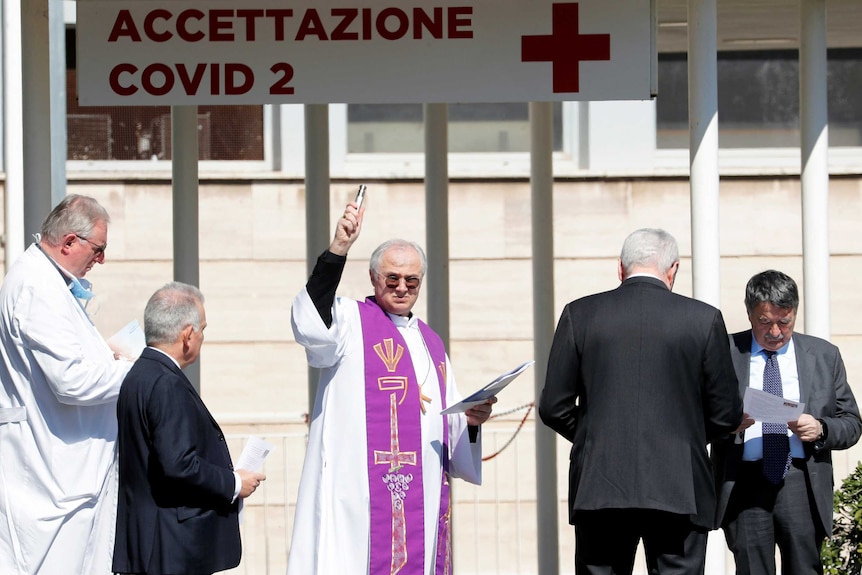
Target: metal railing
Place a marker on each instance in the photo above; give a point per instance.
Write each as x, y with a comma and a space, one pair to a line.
494, 524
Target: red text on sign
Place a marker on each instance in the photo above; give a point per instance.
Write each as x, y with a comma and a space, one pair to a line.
230, 79
338, 24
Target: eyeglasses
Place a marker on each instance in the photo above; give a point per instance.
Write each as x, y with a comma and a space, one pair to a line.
98, 251
393, 281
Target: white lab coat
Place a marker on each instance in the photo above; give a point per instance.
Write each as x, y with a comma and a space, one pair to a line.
58, 427
331, 525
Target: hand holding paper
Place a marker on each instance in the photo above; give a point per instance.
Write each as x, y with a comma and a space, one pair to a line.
490, 390
129, 341
254, 453
768, 408
479, 414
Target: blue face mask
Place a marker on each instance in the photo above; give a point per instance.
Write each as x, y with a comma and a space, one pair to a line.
79, 290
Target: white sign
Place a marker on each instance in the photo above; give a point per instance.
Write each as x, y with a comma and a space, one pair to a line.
176, 52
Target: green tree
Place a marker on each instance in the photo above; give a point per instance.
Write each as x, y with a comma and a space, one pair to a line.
842, 552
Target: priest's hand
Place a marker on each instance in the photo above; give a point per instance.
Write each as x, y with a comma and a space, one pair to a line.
347, 229
479, 414
250, 481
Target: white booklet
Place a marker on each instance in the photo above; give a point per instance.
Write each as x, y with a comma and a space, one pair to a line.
488, 391
129, 341
254, 453
252, 457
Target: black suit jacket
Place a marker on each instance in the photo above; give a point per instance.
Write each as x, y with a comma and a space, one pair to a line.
176, 478
824, 390
639, 380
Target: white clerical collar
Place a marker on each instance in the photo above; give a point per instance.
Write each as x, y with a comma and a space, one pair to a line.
402, 320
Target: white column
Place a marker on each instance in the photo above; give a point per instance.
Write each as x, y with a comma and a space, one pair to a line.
13, 161
814, 133
703, 149
544, 320
291, 144
703, 157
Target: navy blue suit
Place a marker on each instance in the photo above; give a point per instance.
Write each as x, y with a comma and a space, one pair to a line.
175, 515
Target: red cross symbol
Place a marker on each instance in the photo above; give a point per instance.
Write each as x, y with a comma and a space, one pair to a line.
565, 48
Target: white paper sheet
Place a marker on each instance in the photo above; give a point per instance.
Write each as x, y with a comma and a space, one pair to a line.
254, 453
488, 391
129, 341
768, 408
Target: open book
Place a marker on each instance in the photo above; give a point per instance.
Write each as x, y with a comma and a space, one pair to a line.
488, 391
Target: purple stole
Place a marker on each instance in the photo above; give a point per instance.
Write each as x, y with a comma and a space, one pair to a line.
393, 415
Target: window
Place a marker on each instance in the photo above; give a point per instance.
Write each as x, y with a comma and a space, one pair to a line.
758, 99
395, 128
144, 132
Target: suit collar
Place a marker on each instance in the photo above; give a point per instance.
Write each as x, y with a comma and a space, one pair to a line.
741, 342
805, 361
643, 279
159, 356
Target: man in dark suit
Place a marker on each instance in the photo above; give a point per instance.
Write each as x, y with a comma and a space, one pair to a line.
640, 380
791, 507
178, 502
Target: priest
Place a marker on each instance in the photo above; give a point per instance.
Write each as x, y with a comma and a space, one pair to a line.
374, 493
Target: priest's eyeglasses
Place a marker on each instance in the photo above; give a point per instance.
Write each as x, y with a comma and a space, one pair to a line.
98, 251
393, 281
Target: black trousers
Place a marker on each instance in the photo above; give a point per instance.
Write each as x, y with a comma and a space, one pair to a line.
606, 542
761, 515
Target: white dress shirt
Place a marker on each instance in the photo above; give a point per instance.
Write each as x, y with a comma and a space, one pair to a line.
786, 357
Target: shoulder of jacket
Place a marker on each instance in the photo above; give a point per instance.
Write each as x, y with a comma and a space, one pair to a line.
805, 342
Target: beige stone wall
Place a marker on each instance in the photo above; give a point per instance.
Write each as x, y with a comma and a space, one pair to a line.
252, 248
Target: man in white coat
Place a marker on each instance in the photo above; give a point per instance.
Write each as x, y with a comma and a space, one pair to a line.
58, 422
374, 492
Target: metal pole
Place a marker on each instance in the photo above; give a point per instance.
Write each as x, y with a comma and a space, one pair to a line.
184, 168
814, 134
317, 225
703, 149
437, 217
544, 315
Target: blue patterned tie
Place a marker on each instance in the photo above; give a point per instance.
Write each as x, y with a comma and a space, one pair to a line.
776, 447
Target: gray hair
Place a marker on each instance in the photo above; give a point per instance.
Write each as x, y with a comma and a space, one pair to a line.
772, 287
651, 248
170, 310
396, 244
75, 214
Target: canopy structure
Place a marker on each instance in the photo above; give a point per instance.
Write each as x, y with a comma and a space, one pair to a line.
34, 96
